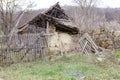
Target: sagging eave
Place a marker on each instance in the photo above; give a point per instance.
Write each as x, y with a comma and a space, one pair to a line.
67, 29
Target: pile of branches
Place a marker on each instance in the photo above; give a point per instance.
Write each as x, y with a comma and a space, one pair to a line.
105, 38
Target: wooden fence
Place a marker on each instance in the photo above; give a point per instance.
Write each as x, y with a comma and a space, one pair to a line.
27, 47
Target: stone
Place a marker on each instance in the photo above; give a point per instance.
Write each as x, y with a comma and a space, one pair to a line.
100, 59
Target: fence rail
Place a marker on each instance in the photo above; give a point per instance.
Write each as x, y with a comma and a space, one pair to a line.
27, 47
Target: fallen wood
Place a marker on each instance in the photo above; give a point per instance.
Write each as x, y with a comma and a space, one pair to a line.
84, 47
87, 44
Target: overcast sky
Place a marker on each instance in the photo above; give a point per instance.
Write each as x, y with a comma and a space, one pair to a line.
48, 3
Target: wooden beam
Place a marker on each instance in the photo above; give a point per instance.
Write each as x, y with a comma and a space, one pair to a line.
59, 9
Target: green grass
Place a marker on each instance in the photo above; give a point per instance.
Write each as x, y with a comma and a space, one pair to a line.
62, 69
117, 54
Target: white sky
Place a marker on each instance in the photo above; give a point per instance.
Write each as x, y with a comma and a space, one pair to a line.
48, 3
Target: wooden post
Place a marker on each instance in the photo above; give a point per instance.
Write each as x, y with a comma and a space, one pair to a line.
43, 47
48, 32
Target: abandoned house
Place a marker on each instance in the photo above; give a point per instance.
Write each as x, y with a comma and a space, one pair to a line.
56, 24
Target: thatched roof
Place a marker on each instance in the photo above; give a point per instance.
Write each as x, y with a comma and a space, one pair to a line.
55, 15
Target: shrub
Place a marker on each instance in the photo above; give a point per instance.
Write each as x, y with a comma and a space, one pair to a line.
117, 54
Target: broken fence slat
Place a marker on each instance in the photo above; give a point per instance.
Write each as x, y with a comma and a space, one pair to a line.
84, 46
84, 49
84, 40
90, 39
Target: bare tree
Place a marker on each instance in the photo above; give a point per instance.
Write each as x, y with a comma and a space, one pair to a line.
86, 3
86, 14
11, 12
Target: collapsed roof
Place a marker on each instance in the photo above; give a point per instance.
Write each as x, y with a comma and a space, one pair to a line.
55, 15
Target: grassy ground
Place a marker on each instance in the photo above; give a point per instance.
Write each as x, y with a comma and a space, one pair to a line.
64, 68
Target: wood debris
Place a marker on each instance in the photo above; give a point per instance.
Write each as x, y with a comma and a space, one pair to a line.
88, 45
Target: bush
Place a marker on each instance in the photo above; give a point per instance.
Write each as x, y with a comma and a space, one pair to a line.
117, 54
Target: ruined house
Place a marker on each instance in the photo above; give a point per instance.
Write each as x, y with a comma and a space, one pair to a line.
56, 24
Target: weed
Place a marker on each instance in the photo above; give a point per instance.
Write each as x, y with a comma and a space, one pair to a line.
54, 70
